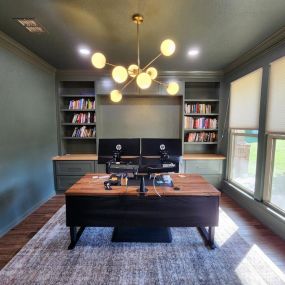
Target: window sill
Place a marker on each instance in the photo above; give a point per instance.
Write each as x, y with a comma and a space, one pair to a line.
264, 207
240, 189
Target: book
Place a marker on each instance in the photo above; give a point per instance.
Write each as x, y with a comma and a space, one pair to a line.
200, 123
201, 137
197, 108
81, 104
84, 132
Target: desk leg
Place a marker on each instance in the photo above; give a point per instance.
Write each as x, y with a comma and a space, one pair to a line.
74, 236
209, 236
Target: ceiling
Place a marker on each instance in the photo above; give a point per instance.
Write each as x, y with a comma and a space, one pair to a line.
222, 29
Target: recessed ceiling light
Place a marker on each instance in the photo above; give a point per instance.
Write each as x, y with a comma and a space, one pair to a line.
193, 52
31, 25
84, 51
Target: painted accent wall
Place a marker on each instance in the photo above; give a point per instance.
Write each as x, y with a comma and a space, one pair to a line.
146, 117
28, 135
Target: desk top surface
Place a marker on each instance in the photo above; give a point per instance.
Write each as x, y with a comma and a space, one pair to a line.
190, 185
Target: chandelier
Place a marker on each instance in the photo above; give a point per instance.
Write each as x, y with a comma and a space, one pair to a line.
144, 76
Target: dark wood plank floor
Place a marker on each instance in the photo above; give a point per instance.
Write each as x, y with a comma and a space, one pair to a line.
249, 228
16, 238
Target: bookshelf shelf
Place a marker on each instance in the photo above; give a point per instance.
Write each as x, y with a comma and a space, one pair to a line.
77, 110
78, 124
201, 115
200, 130
188, 143
78, 138
79, 95
201, 100
76, 96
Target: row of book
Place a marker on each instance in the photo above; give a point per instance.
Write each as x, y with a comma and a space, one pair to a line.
84, 118
200, 123
201, 137
84, 132
81, 104
198, 108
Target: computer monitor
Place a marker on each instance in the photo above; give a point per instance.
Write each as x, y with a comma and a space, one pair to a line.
153, 147
127, 147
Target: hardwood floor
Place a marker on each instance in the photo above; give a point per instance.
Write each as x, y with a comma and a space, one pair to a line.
16, 238
253, 232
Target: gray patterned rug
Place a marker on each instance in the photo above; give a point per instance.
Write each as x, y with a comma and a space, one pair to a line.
95, 260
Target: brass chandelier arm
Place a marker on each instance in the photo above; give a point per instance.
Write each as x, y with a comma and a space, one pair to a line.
152, 61
138, 44
159, 82
107, 63
127, 84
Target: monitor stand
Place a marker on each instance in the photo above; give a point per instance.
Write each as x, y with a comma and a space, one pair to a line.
142, 190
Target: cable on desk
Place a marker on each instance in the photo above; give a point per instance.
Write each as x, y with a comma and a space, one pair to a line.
154, 184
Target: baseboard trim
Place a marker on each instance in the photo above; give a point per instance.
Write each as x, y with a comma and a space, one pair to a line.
24, 215
260, 211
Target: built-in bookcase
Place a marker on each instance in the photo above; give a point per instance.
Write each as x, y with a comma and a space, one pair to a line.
201, 117
77, 117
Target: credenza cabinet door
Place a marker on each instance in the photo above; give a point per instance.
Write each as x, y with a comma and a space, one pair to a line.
69, 171
211, 170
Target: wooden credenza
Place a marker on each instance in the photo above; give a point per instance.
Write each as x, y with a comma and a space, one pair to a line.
70, 168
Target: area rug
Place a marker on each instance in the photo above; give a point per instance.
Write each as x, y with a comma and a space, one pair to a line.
96, 260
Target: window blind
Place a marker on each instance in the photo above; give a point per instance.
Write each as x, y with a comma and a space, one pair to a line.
245, 101
276, 97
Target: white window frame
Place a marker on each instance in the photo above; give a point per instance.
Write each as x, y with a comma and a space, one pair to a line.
269, 166
232, 134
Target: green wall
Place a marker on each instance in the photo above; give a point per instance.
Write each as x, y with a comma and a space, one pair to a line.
27, 135
141, 117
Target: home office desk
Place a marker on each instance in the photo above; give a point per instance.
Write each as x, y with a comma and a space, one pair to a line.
196, 204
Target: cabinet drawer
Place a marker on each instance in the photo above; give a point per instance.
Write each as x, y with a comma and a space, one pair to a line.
215, 180
74, 167
64, 182
204, 166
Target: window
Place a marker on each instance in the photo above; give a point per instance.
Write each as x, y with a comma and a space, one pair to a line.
243, 157
243, 123
274, 192
275, 172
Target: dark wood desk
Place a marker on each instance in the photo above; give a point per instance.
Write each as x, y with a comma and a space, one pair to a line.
196, 204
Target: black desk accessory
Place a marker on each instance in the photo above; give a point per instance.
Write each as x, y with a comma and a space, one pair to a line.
157, 156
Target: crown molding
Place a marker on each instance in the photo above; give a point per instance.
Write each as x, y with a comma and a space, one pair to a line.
264, 47
81, 72
188, 75
182, 75
20, 50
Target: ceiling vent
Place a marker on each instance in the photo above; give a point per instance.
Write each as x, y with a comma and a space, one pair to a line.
31, 25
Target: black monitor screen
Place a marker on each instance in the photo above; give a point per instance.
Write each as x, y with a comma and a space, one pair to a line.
153, 146
129, 147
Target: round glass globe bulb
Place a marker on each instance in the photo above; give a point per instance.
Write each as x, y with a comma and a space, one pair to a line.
116, 96
167, 47
152, 72
143, 80
133, 70
98, 60
172, 88
120, 74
